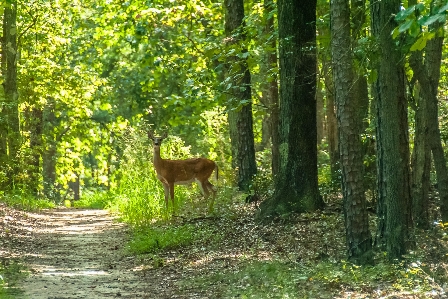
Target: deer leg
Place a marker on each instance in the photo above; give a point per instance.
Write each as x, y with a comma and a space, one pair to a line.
213, 190
167, 194
171, 190
204, 189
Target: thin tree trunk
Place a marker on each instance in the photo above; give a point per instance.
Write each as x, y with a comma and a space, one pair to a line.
428, 74
10, 129
239, 99
421, 162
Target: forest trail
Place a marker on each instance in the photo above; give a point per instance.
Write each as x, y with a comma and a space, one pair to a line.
78, 254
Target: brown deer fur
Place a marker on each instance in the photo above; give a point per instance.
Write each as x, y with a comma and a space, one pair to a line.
182, 172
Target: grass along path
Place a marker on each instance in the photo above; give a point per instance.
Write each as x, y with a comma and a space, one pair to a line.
70, 253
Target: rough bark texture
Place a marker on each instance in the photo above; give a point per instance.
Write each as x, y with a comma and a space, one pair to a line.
427, 73
360, 87
9, 126
359, 239
421, 163
392, 138
296, 184
240, 116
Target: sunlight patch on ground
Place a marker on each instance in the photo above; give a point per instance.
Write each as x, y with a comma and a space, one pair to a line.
73, 272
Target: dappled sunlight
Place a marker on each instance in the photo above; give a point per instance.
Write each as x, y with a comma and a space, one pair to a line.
77, 252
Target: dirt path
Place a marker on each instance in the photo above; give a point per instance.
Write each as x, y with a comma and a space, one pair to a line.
78, 254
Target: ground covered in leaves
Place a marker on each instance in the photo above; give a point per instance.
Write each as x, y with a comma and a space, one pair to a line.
77, 253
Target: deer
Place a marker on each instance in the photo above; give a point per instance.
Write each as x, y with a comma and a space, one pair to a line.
183, 172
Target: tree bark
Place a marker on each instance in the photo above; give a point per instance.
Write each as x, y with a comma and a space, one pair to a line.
392, 138
239, 98
427, 73
10, 128
296, 187
49, 152
270, 86
421, 164
358, 237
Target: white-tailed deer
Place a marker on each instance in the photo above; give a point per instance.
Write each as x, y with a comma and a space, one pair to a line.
182, 172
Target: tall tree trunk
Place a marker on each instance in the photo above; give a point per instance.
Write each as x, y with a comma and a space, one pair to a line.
392, 137
296, 187
320, 113
421, 163
433, 62
34, 124
240, 99
332, 128
10, 129
360, 87
269, 87
49, 152
427, 73
272, 92
359, 239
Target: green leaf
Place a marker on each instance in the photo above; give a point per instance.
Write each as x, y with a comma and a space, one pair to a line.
405, 26
402, 15
443, 8
420, 44
434, 18
415, 30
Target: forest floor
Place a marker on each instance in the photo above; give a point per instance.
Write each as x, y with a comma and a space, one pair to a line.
78, 253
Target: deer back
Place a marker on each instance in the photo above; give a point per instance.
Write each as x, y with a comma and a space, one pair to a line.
185, 171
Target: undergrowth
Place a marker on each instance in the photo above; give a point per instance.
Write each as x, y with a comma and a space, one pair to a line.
25, 201
10, 274
158, 239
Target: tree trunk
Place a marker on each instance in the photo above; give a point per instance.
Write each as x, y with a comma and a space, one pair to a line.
427, 73
332, 128
270, 87
34, 123
296, 187
49, 154
239, 99
359, 239
392, 137
10, 129
421, 163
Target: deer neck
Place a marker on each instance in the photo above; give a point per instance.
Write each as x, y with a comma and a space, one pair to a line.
158, 161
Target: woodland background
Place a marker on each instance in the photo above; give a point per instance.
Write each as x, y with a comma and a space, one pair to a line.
302, 104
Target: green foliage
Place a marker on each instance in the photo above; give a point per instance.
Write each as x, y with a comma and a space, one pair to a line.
95, 199
420, 22
156, 239
22, 199
10, 275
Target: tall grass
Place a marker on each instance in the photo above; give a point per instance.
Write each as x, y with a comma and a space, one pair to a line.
139, 194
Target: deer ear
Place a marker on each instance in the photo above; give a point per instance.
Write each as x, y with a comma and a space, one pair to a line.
164, 135
150, 135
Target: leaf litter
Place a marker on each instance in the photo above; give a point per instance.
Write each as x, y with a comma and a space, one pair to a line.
75, 253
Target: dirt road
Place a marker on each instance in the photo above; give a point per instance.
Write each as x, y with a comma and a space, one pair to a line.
78, 254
